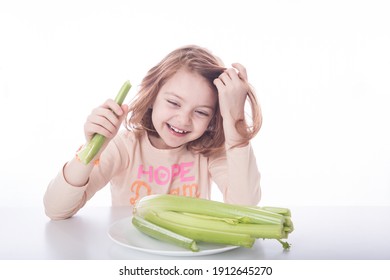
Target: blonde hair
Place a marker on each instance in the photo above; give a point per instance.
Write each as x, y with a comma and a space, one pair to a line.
198, 60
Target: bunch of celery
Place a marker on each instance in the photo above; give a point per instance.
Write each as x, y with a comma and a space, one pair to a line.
183, 221
89, 151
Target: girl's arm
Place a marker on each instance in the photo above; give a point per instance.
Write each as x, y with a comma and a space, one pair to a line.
76, 182
104, 120
236, 173
62, 200
237, 176
232, 86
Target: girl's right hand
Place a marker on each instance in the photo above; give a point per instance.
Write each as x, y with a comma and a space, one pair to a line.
105, 120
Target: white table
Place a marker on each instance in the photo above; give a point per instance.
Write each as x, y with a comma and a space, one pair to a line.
321, 233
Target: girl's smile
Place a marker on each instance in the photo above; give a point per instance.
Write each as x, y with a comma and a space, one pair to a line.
176, 131
182, 110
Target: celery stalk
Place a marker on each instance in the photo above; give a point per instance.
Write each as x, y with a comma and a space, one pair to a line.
254, 230
163, 234
280, 210
231, 221
89, 151
215, 222
202, 234
207, 207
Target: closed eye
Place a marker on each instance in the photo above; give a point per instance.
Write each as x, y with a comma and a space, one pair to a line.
172, 102
202, 113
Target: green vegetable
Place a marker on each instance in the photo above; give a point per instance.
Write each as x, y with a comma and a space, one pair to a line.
164, 234
254, 230
212, 235
211, 221
89, 151
244, 214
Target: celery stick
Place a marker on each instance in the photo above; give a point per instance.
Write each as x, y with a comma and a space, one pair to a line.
231, 221
208, 207
216, 222
280, 210
88, 152
163, 234
202, 221
202, 234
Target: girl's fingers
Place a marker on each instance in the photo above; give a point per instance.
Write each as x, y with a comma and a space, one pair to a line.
101, 126
234, 74
105, 115
241, 71
224, 78
95, 128
113, 106
219, 84
112, 112
104, 120
124, 108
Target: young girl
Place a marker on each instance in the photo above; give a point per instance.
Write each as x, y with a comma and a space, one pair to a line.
185, 128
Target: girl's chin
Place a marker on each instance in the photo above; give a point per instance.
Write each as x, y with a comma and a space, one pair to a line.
161, 143
172, 144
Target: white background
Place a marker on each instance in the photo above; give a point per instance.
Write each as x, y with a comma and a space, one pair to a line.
320, 68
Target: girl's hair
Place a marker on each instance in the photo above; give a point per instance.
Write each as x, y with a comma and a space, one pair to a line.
197, 60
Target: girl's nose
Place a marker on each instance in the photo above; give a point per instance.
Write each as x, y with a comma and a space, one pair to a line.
185, 118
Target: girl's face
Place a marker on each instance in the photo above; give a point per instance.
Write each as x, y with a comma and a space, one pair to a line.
183, 109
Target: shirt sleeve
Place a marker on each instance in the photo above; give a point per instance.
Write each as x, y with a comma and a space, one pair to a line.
62, 200
237, 176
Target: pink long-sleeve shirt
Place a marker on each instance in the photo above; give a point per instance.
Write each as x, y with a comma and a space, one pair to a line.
134, 168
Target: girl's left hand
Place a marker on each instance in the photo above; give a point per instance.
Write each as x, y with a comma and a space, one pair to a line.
232, 91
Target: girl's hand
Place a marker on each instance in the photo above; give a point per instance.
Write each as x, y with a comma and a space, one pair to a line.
105, 120
232, 91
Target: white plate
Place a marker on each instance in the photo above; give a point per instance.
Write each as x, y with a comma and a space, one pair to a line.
124, 233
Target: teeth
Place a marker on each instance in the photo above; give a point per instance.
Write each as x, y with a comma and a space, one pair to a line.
177, 130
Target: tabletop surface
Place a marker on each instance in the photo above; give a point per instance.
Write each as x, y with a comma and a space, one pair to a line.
321, 233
